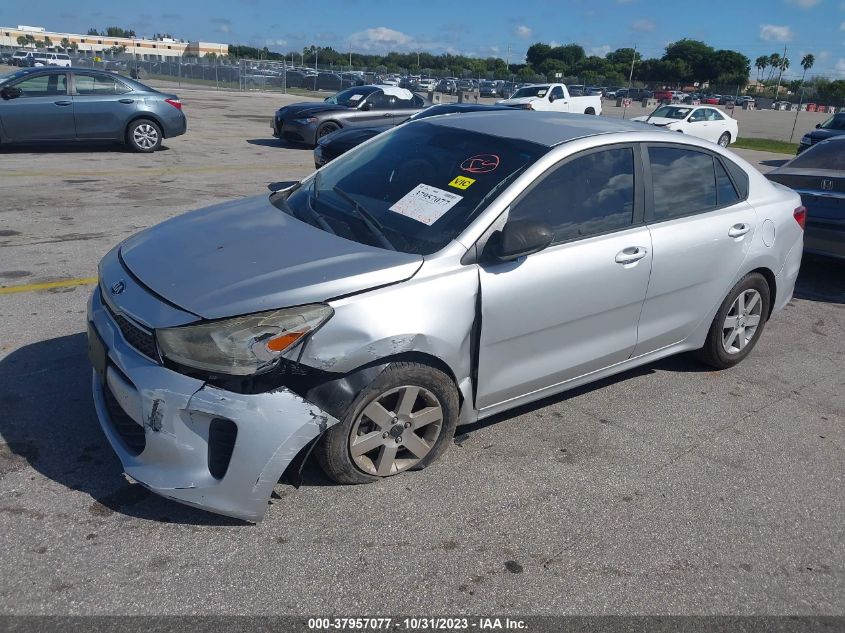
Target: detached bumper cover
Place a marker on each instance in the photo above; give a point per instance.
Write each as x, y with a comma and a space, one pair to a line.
176, 414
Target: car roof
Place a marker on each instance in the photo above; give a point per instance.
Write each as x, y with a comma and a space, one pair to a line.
544, 128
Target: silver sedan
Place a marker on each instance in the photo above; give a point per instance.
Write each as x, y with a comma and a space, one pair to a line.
440, 273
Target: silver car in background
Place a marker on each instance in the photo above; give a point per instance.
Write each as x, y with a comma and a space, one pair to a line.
442, 272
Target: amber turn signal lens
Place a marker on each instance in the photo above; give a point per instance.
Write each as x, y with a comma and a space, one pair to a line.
283, 341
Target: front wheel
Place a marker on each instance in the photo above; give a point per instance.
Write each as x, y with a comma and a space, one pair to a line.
738, 324
326, 128
143, 135
725, 139
403, 421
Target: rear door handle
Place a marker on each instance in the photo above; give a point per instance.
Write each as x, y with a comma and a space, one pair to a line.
738, 230
631, 254
63, 103
126, 100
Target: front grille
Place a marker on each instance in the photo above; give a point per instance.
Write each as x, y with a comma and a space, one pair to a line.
137, 337
130, 432
222, 434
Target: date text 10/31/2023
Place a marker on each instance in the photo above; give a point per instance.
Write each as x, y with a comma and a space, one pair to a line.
416, 624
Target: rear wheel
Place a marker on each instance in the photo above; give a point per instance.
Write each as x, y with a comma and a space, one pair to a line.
725, 139
143, 135
738, 324
589, 111
403, 421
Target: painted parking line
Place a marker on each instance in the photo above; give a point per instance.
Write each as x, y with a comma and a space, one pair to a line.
64, 283
154, 171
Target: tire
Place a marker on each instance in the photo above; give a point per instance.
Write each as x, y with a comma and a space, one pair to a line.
725, 139
388, 449
325, 129
143, 135
729, 340
589, 111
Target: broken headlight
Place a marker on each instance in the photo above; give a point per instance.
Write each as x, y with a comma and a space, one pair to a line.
243, 345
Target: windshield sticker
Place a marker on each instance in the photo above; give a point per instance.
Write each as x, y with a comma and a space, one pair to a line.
355, 97
425, 204
541, 93
480, 163
461, 182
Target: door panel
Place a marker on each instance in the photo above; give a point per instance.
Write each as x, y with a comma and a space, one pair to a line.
102, 106
44, 112
695, 257
559, 314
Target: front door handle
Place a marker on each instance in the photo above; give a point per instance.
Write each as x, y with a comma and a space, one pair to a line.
126, 100
63, 103
631, 254
738, 230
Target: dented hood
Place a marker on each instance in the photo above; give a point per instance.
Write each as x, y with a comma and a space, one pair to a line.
247, 256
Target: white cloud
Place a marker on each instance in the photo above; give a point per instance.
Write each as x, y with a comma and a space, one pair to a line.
381, 38
272, 42
774, 33
643, 26
599, 51
222, 25
523, 31
840, 67
804, 4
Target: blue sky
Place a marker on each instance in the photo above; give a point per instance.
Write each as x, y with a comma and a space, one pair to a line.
482, 27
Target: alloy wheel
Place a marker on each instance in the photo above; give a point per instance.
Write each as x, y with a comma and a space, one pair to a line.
742, 321
396, 430
145, 136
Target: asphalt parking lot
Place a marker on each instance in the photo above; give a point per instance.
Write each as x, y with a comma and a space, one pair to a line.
668, 489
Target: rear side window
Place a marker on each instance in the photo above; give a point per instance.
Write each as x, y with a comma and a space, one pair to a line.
683, 182
98, 85
725, 190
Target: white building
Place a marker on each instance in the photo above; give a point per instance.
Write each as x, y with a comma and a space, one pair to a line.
160, 49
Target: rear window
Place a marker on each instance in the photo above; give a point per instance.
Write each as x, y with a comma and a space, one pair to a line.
825, 155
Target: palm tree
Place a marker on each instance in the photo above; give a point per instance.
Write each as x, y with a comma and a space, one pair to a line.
784, 64
807, 63
65, 44
761, 63
774, 62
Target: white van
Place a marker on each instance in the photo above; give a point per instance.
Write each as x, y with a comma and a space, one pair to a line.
58, 59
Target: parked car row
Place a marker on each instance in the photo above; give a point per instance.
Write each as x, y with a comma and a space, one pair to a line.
34, 59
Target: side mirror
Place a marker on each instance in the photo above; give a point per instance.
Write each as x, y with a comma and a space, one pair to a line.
10, 92
818, 125
366, 106
520, 238
551, 98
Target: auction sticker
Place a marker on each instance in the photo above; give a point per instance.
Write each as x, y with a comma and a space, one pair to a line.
425, 204
461, 182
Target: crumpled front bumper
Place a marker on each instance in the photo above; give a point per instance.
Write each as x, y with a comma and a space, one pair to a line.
176, 412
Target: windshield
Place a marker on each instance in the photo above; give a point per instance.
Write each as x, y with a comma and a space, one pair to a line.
827, 155
530, 91
836, 122
417, 187
350, 98
671, 112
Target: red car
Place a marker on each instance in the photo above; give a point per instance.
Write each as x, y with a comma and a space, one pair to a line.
713, 100
664, 95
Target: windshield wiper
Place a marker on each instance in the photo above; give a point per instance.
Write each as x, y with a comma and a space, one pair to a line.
367, 218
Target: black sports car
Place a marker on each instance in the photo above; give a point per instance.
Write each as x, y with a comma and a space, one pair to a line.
834, 126
361, 106
331, 146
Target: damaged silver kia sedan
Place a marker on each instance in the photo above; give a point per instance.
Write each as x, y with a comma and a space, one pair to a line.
440, 273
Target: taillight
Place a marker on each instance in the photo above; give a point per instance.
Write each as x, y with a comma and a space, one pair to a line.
175, 103
800, 215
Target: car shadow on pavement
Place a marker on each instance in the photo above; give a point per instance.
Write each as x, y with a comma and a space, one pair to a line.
821, 279
70, 148
48, 422
274, 142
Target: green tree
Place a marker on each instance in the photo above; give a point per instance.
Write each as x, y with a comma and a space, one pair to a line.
537, 54
761, 63
622, 57
65, 44
774, 62
47, 41
22, 40
92, 32
807, 63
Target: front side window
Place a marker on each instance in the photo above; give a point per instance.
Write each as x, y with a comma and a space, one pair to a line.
683, 182
585, 196
47, 85
557, 92
380, 101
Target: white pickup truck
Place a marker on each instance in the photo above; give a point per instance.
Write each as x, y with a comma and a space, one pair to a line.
554, 97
